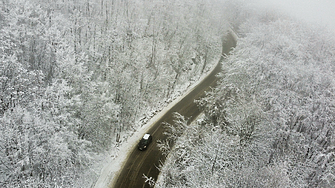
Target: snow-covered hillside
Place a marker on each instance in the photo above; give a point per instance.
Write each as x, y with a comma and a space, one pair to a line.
269, 123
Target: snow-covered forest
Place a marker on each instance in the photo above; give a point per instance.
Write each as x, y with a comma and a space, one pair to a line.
78, 77
270, 122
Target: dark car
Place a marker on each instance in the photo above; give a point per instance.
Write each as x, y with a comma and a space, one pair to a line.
144, 142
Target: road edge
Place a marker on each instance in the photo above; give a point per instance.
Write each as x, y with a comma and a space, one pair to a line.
111, 171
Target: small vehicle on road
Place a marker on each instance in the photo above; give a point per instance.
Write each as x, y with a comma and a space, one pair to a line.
144, 142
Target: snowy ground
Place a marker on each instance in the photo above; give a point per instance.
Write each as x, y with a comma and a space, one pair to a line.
114, 164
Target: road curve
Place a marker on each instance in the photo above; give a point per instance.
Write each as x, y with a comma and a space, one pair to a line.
146, 162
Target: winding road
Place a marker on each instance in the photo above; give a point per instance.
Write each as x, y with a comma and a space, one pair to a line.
146, 162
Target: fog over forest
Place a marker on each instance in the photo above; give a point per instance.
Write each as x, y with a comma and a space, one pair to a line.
270, 121
313, 11
78, 78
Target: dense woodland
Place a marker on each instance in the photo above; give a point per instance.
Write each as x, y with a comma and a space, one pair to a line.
77, 77
270, 122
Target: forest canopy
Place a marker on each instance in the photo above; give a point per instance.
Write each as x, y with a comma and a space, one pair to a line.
270, 121
77, 77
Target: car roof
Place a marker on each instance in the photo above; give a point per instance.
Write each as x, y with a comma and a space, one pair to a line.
146, 136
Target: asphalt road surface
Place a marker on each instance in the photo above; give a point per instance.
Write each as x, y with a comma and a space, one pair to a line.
146, 162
